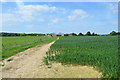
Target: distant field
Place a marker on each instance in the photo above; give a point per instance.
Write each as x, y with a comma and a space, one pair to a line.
13, 45
100, 52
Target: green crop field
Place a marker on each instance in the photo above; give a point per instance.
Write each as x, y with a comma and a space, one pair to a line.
13, 45
101, 52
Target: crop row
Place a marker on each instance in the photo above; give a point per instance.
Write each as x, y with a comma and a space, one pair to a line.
101, 52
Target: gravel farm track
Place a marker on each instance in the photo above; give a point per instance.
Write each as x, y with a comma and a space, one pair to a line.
29, 64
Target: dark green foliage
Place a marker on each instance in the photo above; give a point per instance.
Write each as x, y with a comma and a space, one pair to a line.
73, 34
66, 34
88, 33
113, 33
80, 34
20, 34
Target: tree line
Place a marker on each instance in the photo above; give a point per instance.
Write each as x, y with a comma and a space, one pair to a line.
93, 34
70, 34
20, 34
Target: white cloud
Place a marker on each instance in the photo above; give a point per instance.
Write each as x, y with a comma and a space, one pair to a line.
27, 18
77, 15
71, 18
3, 0
78, 12
27, 13
33, 12
9, 19
35, 9
113, 8
40, 13
54, 21
19, 2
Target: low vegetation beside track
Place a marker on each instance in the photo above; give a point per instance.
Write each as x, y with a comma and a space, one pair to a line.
14, 45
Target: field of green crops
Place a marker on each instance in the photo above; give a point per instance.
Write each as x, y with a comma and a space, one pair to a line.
101, 52
13, 45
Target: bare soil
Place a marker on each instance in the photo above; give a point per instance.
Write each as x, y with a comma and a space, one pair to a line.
29, 64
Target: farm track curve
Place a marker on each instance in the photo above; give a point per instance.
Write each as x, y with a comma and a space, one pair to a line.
29, 64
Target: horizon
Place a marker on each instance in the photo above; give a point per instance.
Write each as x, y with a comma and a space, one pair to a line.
56, 33
56, 17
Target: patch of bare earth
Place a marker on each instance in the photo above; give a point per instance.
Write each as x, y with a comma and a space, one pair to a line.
29, 64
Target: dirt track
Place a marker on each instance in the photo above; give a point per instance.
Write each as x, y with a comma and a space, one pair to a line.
29, 64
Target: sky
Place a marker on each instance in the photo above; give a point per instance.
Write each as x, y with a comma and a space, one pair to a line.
59, 17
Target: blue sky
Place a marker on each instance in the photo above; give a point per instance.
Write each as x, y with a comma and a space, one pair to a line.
55, 17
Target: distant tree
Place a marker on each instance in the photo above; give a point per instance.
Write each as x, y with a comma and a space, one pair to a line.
118, 33
41, 34
88, 33
66, 34
80, 34
16, 34
113, 33
22, 34
74, 34
93, 34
